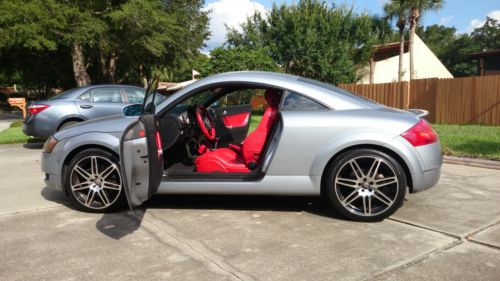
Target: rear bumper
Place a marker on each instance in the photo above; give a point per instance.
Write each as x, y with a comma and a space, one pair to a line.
39, 126
29, 126
423, 162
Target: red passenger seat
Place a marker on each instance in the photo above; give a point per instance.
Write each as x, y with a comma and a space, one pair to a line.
242, 158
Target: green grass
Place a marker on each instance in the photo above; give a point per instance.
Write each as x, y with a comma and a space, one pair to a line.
474, 141
13, 135
254, 122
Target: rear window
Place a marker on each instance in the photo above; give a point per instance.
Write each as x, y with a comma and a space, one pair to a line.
135, 95
64, 94
297, 102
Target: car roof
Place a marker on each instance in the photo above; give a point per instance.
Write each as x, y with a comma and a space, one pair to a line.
75, 92
328, 94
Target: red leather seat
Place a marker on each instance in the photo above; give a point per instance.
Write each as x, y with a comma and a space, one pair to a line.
238, 159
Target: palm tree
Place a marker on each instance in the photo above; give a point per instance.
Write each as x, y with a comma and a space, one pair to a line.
416, 9
397, 10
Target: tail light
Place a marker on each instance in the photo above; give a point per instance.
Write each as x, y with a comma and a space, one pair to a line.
37, 108
420, 134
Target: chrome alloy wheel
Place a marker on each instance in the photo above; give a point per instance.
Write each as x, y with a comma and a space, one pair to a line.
95, 182
367, 186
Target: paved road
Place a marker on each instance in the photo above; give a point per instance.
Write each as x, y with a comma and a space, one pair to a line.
451, 232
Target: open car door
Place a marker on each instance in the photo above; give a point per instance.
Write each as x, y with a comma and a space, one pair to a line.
141, 157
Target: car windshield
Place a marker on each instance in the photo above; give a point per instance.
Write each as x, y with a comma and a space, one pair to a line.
332, 88
63, 95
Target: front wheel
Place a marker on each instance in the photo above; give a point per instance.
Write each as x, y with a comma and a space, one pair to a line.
365, 185
94, 182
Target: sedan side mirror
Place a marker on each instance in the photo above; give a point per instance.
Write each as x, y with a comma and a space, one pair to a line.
133, 110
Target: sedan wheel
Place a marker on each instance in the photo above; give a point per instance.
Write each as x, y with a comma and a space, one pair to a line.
366, 185
94, 181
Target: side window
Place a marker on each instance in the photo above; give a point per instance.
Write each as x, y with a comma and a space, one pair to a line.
297, 102
135, 95
239, 97
85, 97
106, 95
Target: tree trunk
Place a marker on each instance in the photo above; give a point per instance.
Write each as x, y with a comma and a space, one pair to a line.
401, 26
82, 78
415, 14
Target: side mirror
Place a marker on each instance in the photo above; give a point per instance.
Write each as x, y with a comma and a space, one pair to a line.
133, 110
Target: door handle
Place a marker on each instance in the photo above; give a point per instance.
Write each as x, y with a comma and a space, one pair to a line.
86, 106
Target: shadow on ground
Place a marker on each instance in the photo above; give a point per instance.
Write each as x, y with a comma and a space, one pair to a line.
117, 225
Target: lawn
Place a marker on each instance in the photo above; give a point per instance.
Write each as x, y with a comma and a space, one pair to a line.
14, 134
474, 141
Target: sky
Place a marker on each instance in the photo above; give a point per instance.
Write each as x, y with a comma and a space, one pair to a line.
464, 15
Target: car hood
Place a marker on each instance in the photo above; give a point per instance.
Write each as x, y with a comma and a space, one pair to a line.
109, 124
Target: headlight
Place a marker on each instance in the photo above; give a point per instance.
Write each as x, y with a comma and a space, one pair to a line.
49, 145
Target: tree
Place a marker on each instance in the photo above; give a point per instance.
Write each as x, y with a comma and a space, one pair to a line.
237, 59
110, 40
416, 9
398, 10
311, 39
488, 35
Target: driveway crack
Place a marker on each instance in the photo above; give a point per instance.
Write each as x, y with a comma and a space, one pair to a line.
193, 249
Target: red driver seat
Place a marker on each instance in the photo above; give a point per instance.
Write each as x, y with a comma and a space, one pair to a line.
240, 158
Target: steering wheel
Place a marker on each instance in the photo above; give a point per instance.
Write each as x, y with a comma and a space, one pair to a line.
205, 122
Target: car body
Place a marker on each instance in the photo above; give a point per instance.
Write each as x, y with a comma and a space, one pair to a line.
46, 117
320, 140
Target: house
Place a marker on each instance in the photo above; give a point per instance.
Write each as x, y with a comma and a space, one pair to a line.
488, 62
383, 67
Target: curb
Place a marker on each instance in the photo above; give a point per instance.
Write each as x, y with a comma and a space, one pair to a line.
481, 163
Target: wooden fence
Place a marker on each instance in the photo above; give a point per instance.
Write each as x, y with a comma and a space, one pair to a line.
469, 100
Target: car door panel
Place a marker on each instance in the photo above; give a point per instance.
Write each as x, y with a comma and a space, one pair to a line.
141, 158
232, 123
100, 102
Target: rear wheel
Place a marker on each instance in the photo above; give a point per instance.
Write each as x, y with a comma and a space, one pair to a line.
365, 185
67, 124
94, 182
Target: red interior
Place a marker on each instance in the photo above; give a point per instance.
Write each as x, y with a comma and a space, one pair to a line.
236, 120
237, 159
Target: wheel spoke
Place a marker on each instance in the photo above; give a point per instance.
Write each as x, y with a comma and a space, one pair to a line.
373, 171
90, 197
370, 205
110, 185
93, 166
104, 197
382, 197
81, 186
81, 172
385, 181
348, 200
108, 171
347, 182
356, 169
367, 205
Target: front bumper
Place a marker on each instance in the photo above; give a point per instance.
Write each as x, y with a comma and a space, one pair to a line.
50, 166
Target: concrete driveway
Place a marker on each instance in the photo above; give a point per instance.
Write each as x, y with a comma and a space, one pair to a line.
451, 232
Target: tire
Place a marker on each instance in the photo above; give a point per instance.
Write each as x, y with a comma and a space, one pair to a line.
365, 185
95, 190
67, 124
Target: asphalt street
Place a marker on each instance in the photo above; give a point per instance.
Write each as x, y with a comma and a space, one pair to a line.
450, 232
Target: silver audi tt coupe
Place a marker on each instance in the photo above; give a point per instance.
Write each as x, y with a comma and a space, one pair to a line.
304, 137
